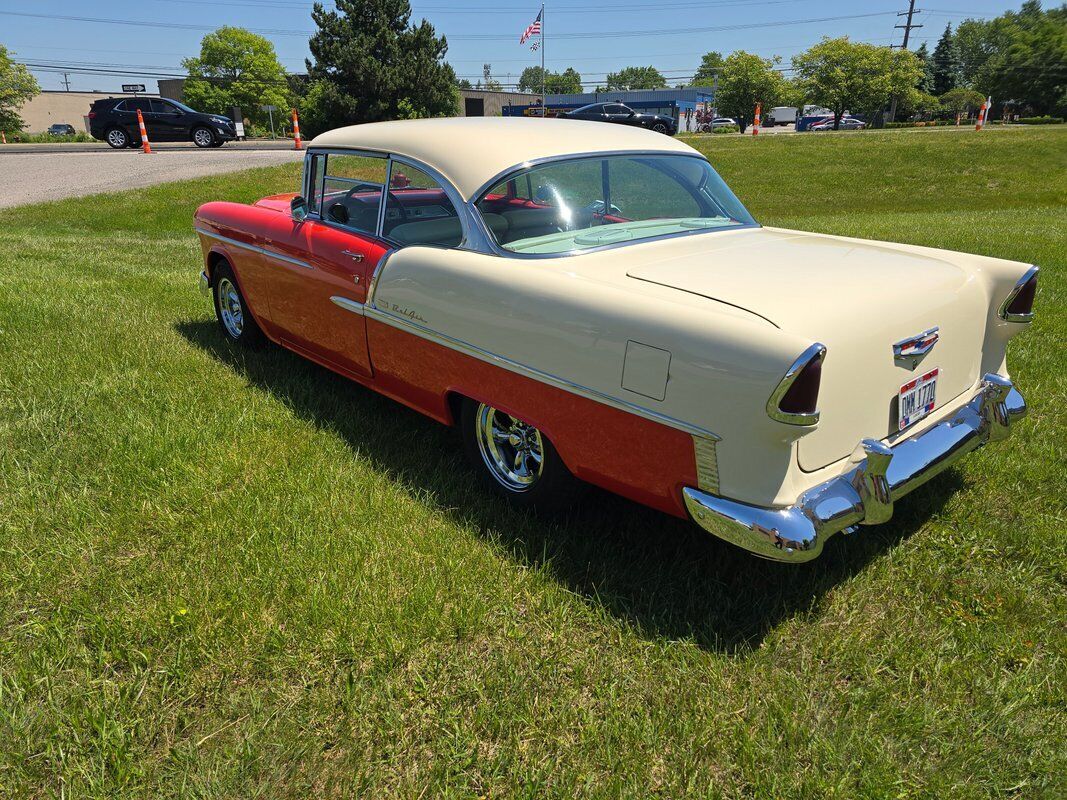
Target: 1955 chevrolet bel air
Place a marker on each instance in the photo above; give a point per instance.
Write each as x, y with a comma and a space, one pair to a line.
592, 303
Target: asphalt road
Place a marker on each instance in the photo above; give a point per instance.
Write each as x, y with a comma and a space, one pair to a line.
37, 173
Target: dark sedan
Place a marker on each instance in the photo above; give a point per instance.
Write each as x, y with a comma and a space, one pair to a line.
623, 115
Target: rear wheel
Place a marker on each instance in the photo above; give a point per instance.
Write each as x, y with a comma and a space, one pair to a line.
515, 460
117, 138
203, 137
231, 310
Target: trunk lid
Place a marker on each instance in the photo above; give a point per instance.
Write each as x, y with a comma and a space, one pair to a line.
858, 300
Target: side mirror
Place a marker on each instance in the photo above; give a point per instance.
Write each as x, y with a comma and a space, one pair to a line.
631, 113
298, 208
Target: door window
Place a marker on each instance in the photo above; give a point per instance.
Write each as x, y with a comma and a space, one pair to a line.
418, 211
163, 107
352, 191
314, 182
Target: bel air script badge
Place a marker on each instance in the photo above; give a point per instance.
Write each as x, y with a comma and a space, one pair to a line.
909, 352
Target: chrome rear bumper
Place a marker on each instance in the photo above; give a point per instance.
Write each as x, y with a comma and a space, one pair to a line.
864, 495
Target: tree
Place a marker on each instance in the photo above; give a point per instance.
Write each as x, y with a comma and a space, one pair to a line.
710, 65
961, 101
854, 76
368, 57
635, 78
946, 63
488, 82
235, 68
17, 87
1018, 56
567, 82
925, 84
464, 84
747, 79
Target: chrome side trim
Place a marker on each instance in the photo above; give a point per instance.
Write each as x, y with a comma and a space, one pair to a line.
1019, 284
877, 476
404, 324
255, 249
707, 464
373, 285
815, 351
347, 304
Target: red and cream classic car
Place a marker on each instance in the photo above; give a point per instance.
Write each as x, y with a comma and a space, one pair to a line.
591, 303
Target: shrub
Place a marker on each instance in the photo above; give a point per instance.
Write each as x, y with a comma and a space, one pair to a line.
80, 136
1046, 120
725, 129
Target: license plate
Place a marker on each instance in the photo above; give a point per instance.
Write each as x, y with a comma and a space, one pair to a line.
917, 398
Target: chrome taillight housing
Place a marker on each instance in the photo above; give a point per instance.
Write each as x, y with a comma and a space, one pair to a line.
1018, 306
795, 399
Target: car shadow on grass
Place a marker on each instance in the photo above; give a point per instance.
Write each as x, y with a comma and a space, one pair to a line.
662, 575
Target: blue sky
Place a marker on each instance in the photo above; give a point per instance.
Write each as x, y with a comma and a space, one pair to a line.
670, 34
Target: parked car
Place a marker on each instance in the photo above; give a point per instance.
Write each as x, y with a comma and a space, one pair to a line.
60, 129
623, 115
592, 304
114, 121
723, 122
846, 124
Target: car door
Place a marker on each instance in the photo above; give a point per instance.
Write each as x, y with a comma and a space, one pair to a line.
168, 121
320, 268
617, 112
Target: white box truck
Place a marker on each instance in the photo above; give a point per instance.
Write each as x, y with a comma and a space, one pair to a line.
782, 115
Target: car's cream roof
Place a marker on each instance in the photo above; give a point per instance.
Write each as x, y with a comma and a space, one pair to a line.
469, 151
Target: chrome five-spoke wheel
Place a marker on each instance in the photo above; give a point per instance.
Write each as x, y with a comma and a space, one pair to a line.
512, 450
230, 309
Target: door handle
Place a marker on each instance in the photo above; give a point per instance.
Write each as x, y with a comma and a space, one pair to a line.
354, 256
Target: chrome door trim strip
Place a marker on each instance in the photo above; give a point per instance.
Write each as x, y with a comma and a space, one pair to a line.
347, 304
404, 324
254, 248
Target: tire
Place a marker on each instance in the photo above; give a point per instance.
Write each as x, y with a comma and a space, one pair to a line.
218, 142
231, 310
659, 127
495, 443
117, 138
203, 136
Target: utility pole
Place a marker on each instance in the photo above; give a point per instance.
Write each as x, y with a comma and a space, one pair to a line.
908, 26
66, 80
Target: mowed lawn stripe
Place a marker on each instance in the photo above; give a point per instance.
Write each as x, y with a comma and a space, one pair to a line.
235, 574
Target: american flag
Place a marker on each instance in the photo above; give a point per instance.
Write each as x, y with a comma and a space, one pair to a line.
533, 29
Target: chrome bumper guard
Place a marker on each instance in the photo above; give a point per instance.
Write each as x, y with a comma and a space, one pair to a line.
205, 285
864, 495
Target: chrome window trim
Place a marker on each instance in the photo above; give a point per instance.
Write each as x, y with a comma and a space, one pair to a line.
496, 249
1019, 284
254, 248
815, 351
407, 325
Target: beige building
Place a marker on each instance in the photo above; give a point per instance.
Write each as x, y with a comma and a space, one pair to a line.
50, 107
485, 103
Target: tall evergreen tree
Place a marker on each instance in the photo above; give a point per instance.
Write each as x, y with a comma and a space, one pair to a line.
925, 83
371, 63
946, 63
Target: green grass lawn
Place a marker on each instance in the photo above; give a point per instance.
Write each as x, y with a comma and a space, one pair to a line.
235, 575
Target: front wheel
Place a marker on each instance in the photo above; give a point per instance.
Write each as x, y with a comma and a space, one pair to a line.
659, 127
231, 310
203, 137
515, 460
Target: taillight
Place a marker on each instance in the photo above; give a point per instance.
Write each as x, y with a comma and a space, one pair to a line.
795, 400
1019, 305
92, 114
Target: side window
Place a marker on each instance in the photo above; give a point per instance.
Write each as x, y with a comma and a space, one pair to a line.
417, 210
162, 107
138, 103
617, 109
352, 191
314, 182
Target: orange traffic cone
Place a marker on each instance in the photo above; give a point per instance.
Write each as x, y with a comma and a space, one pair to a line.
3, 138
982, 114
144, 133
755, 121
297, 144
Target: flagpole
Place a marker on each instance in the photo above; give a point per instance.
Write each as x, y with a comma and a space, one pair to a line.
544, 98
